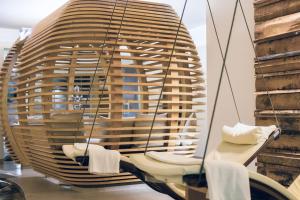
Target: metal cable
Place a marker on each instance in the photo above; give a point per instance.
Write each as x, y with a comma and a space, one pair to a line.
105, 80
218, 88
259, 64
222, 54
165, 77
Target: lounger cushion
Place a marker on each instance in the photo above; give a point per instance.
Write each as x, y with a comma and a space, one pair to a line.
171, 158
235, 152
163, 163
155, 167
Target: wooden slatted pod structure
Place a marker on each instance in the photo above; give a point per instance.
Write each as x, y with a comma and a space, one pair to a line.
278, 49
57, 93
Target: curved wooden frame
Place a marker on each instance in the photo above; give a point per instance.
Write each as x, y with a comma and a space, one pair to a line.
56, 98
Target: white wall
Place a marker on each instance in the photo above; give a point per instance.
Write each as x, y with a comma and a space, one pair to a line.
7, 39
240, 62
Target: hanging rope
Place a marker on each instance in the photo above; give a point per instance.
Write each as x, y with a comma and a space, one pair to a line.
105, 80
259, 64
97, 65
223, 58
219, 86
165, 77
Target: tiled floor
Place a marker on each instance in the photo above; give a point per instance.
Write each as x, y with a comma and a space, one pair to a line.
37, 187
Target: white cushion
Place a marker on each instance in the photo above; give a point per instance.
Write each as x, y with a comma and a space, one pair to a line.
171, 158
71, 152
154, 167
83, 146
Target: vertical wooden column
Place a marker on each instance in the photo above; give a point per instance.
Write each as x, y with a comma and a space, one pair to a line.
115, 98
71, 80
174, 98
142, 88
47, 98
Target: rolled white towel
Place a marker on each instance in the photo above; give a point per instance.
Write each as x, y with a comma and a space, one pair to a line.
244, 134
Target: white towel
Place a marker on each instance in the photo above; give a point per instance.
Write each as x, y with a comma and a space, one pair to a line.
227, 180
104, 162
78, 149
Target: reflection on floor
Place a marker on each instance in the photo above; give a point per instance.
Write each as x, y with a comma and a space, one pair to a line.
37, 187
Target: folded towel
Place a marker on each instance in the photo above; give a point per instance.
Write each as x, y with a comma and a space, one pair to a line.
227, 180
295, 188
171, 158
71, 152
104, 162
244, 134
78, 149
